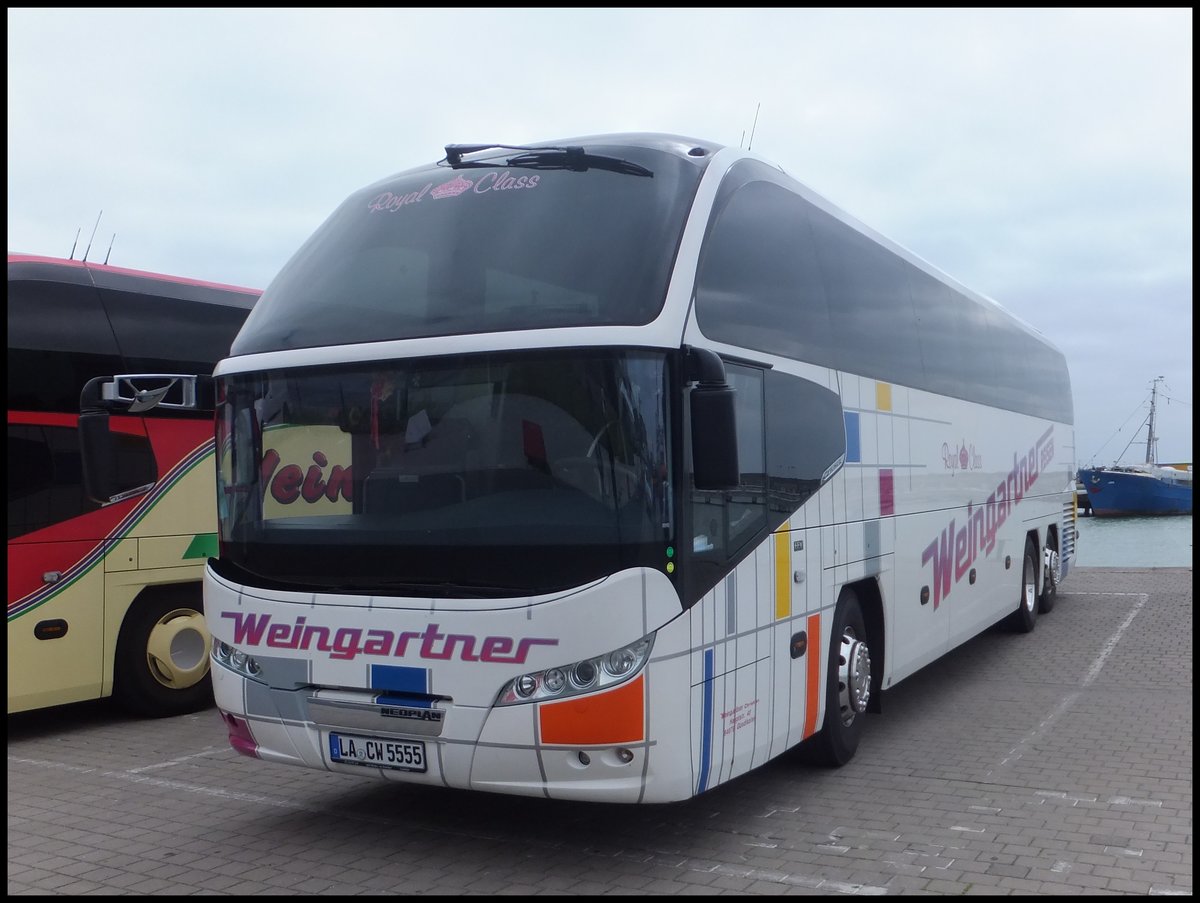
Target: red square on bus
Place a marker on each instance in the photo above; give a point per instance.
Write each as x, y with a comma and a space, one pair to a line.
887, 497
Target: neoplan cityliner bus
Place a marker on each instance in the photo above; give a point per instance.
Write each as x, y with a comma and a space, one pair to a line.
104, 594
612, 468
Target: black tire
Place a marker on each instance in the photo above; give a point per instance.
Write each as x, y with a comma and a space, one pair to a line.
162, 656
1049, 577
847, 685
1024, 619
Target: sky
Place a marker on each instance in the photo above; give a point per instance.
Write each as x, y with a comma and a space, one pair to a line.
1041, 157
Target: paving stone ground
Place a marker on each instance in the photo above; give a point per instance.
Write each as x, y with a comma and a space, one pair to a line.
1058, 762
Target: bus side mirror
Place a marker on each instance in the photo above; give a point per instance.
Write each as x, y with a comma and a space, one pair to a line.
714, 424
97, 452
136, 393
129, 394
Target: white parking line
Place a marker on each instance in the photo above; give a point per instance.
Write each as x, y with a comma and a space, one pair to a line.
1093, 672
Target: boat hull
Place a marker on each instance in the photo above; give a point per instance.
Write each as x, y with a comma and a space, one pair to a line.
1121, 493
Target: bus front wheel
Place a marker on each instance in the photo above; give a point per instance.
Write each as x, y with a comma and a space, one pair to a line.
848, 684
162, 656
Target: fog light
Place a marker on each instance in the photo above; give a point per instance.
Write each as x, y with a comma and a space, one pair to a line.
583, 675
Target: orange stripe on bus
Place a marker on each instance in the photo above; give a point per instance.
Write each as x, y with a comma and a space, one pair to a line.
814, 683
618, 716
783, 573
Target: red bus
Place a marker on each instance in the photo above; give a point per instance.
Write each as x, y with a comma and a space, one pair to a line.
104, 595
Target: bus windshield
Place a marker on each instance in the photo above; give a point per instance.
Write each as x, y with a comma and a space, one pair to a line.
502, 245
478, 475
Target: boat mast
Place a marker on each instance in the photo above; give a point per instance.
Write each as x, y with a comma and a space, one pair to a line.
1151, 451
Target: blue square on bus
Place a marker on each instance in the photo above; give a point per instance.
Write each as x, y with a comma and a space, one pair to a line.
853, 452
399, 679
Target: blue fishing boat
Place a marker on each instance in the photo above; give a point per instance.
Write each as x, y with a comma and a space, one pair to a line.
1148, 488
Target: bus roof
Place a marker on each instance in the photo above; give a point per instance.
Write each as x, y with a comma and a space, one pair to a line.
113, 275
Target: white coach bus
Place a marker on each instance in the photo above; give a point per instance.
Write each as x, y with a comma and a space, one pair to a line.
612, 468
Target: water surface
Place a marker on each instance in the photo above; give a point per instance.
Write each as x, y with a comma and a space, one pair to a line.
1134, 542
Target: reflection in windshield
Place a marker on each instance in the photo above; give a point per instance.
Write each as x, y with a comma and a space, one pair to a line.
530, 474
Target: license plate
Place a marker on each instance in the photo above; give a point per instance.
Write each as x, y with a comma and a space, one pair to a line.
376, 752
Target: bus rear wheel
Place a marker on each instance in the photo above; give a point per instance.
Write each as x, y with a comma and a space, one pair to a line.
847, 686
162, 665
1050, 569
1024, 619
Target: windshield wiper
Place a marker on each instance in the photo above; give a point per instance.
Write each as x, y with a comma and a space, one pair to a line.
573, 158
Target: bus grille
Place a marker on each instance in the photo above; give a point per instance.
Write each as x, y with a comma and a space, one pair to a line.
1066, 548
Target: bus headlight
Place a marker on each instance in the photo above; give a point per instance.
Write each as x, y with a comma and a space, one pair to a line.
580, 677
236, 660
553, 680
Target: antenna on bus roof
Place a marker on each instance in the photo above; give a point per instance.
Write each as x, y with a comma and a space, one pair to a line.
110, 244
75, 243
753, 127
742, 143
89, 247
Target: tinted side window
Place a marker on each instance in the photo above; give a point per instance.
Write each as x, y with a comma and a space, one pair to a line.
1050, 382
136, 466
945, 335
58, 339
806, 441
1029, 376
869, 303
45, 479
759, 285
791, 439
160, 334
780, 274
45, 474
